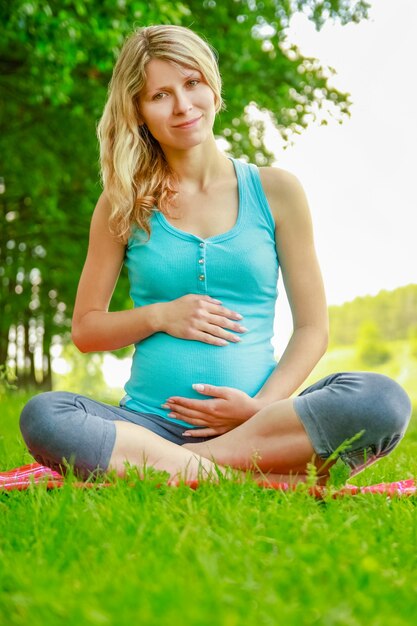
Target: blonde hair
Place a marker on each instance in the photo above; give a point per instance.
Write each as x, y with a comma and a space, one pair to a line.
134, 171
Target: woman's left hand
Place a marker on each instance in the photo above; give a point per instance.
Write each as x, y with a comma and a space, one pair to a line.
227, 408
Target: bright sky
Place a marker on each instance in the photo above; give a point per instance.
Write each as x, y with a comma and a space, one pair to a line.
360, 176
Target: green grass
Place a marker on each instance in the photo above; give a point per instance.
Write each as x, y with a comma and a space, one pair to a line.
231, 555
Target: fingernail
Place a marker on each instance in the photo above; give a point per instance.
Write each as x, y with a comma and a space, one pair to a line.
244, 329
198, 387
186, 435
171, 414
239, 317
164, 406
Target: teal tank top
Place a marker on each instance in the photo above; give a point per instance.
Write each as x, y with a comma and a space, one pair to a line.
239, 267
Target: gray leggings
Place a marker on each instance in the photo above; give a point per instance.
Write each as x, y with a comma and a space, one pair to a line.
58, 426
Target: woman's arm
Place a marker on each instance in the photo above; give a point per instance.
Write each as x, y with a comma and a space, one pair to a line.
93, 327
303, 285
194, 317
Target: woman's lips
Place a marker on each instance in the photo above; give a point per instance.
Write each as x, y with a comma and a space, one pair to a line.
190, 123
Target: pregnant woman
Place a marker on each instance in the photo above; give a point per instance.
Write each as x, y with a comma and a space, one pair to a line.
203, 237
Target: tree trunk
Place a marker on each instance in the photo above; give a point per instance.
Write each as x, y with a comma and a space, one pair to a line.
4, 344
47, 381
47, 365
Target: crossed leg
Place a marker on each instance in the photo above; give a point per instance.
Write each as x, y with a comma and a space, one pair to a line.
273, 443
140, 447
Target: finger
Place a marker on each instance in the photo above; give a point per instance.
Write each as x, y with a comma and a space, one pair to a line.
193, 408
180, 412
190, 420
225, 312
210, 339
211, 390
210, 299
217, 331
223, 322
202, 432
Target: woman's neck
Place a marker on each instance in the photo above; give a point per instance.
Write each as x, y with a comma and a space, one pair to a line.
198, 167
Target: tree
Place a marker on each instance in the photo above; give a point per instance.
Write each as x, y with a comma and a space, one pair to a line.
412, 336
394, 312
371, 348
56, 58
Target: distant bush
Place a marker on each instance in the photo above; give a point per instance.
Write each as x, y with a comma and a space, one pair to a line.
412, 336
372, 350
394, 312
7, 380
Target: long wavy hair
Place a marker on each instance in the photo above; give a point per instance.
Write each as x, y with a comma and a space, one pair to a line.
134, 171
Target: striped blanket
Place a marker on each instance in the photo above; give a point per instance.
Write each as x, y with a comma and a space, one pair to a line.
33, 474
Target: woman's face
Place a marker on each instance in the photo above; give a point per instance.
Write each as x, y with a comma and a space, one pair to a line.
177, 105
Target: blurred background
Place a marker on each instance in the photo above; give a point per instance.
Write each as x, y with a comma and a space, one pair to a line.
325, 89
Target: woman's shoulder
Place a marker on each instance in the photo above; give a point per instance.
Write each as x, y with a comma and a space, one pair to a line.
284, 192
279, 182
101, 213
100, 231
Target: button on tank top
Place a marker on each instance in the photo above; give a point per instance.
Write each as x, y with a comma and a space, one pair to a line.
239, 267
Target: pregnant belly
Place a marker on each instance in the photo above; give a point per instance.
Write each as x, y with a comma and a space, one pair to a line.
163, 366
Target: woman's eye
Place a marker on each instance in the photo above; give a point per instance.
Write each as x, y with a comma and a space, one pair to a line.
191, 83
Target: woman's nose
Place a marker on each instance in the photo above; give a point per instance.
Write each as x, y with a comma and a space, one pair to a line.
182, 103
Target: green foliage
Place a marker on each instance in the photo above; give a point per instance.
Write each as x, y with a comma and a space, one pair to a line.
401, 366
371, 348
339, 474
85, 375
7, 380
412, 335
394, 312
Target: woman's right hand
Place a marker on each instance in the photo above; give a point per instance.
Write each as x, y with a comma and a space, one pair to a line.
200, 318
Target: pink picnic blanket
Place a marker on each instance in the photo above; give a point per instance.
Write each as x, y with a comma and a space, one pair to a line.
22, 477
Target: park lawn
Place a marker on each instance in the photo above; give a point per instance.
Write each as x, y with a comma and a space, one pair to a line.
231, 554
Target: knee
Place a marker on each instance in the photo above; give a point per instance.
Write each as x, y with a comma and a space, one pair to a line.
38, 419
387, 402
